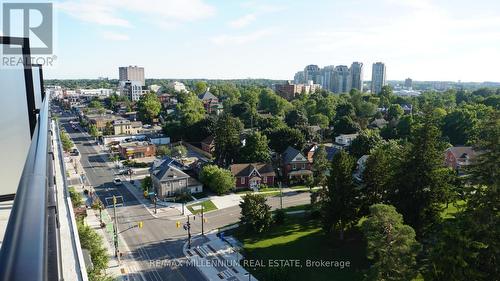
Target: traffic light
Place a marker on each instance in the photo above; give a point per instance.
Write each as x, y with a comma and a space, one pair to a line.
114, 200
178, 224
141, 224
205, 220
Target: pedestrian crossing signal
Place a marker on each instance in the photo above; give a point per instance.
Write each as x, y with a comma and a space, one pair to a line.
141, 224
178, 224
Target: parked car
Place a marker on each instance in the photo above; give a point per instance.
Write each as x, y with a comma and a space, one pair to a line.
74, 152
117, 181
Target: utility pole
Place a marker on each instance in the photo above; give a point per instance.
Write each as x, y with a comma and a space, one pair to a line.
202, 220
115, 228
281, 196
183, 209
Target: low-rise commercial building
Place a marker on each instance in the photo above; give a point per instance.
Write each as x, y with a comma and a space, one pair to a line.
136, 149
126, 127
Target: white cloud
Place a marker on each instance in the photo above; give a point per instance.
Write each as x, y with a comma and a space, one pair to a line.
239, 39
114, 36
160, 12
243, 21
93, 12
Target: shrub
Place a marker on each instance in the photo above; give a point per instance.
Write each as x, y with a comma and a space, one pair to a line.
76, 197
279, 216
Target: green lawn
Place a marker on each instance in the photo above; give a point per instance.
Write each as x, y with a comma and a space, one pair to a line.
267, 194
303, 239
452, 209
305, 207
298, 187
207, 206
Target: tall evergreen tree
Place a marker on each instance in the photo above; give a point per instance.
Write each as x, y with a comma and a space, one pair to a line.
320, 166
391, 245
420, 190
340, 204
380, 172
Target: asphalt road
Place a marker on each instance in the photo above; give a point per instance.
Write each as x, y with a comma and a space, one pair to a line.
159, 239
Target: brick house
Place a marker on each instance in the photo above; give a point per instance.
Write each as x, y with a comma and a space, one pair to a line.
208, 144
458, 157
252, 175
296, 167
210, 102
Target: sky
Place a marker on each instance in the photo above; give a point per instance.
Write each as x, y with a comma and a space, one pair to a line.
423, 39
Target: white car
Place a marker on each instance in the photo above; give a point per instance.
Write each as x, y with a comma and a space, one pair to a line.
117, 181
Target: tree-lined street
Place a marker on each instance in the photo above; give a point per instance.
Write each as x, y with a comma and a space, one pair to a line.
159, 238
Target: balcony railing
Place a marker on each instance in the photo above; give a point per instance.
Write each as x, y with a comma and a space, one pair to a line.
30, 248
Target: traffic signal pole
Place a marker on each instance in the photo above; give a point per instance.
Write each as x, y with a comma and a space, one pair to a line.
202, 221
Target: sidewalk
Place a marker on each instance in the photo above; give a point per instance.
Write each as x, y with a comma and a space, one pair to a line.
118, 270
216, 259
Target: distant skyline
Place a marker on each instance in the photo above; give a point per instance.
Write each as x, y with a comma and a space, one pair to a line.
421, 39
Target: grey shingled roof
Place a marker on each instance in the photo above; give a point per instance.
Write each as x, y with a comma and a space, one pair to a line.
289, 154
243, 170
207, 96
166, 172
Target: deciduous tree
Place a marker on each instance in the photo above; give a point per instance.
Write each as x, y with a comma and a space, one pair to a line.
219, 180
256, 149
227, 139
255, 213
149, 107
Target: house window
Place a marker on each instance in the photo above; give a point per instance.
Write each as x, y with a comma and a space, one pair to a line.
263, 179
182, 183
242, 180
294, 166
303, 166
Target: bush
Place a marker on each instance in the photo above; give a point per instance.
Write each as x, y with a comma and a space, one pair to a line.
90, 239
183, 198
67, 144
163, 150
279, 216
134, 164
76, 197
